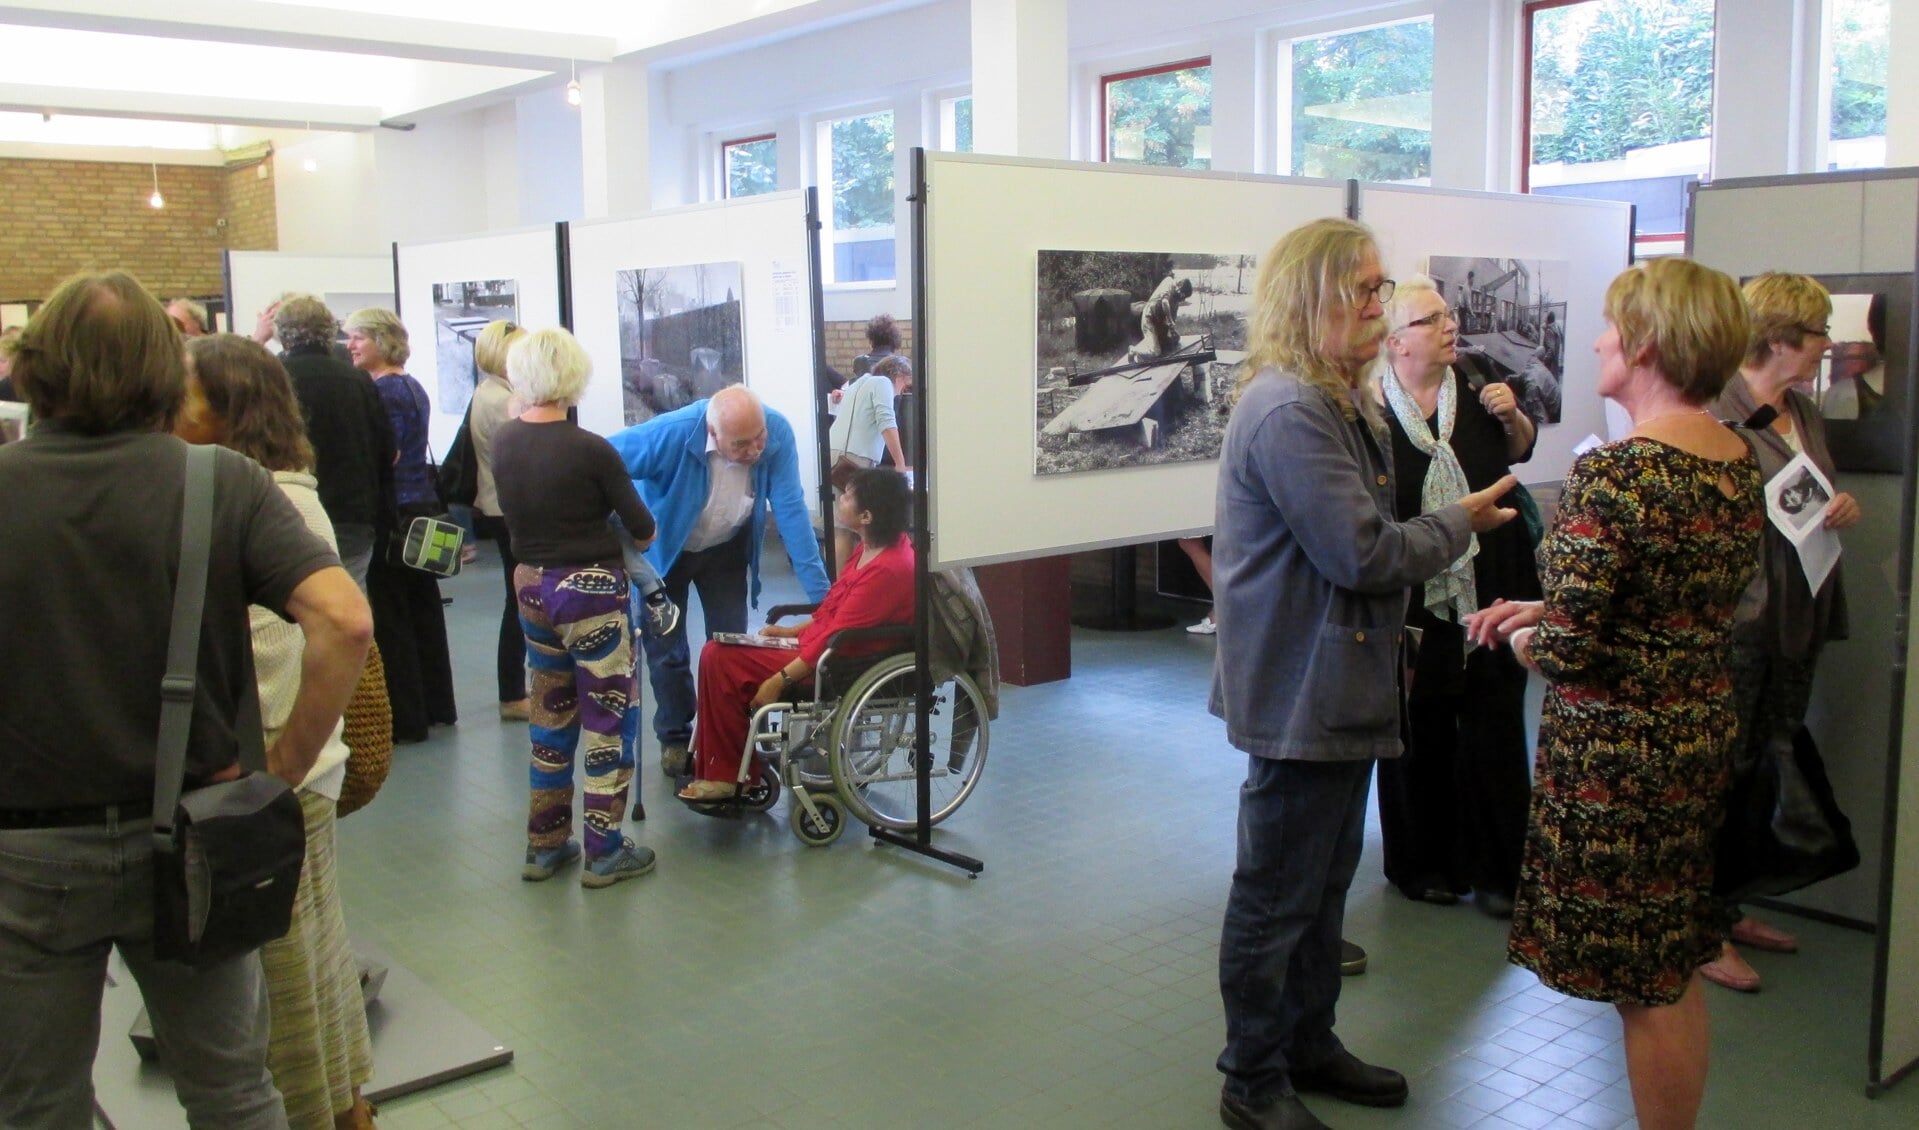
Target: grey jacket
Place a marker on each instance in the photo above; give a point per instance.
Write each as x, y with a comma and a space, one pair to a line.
1310, 574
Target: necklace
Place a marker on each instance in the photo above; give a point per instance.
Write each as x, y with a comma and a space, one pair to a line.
1670, 416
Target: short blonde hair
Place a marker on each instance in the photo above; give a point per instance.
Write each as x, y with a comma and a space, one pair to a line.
385, 330
1781, 306
1399, 311
489, 349
1307, 272
1690, 318
548, 367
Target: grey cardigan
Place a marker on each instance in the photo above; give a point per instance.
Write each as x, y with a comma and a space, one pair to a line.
1310, 573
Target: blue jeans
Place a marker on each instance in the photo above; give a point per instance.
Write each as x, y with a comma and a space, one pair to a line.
720, 575
68, 897
1301, 827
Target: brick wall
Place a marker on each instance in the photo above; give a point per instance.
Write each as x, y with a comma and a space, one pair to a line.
59, 217
847, 340
252, 222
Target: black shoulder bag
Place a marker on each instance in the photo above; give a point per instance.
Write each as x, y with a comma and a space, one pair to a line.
459, 474
226, 857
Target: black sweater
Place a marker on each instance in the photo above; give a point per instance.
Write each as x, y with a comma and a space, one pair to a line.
352, 441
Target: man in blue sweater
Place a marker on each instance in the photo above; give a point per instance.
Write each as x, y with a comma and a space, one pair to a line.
709, 472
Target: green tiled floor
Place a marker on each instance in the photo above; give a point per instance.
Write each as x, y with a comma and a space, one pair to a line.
755, 982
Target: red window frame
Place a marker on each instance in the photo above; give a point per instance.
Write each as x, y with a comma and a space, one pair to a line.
1106, 81
1531, 8
726, 181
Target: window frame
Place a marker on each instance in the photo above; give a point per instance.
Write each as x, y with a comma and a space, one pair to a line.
1102, 125
820, 148
726, 180
1654, 242
1279, 51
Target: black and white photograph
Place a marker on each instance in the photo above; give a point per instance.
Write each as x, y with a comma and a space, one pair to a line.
1137, 354
460, 311
1852, 377
1512, 323
1802, 499
682, 335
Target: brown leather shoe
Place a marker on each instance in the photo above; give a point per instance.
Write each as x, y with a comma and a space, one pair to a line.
1344, 1076
1730, 971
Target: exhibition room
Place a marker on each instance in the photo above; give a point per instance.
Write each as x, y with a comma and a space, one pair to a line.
980, 879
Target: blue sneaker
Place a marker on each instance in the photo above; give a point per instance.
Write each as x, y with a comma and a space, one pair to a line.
628, 861
541, 863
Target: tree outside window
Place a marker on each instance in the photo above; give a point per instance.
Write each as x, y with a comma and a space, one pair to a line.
1857, 32
752, 165
859, 222
1362, 103
1620, 102
956, 124
1160, 116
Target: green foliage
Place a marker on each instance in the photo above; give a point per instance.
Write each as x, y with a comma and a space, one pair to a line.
1859, 36
1163, 111
1063, 274
752, 168
963, 126
1393, 62
1617, 75
863, 171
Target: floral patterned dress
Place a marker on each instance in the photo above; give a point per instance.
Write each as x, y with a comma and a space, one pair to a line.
1642, 571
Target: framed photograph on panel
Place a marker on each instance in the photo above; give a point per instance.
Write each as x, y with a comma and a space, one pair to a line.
1863, 384
14, 415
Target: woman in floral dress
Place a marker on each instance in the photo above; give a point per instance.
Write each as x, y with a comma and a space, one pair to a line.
1656, 538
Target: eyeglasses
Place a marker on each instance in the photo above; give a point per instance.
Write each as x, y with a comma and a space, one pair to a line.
1383, 289
1431, 319
1815, 331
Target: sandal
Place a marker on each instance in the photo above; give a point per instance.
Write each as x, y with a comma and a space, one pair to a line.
1729, 970
1760, 936
706, 792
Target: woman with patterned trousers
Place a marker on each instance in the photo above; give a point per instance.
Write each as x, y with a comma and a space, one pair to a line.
558, 484
1656, 537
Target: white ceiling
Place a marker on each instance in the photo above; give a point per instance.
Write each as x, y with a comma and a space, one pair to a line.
86, 71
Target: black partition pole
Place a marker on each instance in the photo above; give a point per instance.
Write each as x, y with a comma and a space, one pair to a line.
563, 255
226, 280
921, 841
396, 278
822, 419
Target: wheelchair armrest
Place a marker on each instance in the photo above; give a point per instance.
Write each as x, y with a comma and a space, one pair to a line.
779, 611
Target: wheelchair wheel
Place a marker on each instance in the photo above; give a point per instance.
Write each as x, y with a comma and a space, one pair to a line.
761, 791
818, 833
872, 754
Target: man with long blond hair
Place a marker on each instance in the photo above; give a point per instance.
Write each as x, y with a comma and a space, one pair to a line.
1310, 575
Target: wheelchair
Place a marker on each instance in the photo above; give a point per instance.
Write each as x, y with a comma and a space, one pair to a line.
850, 751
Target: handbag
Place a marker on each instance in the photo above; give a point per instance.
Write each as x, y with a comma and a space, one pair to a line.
458, 476
1783, 829
427, 540
368, 734
227, 856
844, 468
845, 463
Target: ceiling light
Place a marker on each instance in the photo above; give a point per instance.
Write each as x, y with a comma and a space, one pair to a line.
157, 200
573, 95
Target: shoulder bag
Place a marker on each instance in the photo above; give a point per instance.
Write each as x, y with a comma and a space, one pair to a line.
846, 464
226, 857
458, 476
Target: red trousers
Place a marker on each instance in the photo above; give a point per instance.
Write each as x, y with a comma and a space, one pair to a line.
730, 674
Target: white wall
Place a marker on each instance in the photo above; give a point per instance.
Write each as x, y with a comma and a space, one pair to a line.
330, 210
547, 158
431, 182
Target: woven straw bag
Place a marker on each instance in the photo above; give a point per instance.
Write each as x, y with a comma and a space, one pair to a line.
369, 736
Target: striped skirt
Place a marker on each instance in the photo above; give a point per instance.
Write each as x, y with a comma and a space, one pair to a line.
320, 1049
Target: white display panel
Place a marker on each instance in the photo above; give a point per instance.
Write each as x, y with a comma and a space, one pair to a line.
530, 257
767, 236
987, 220
257, 279
1593, 237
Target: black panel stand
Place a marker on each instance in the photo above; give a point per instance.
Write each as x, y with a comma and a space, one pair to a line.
921, 839
1122, 611
822, 385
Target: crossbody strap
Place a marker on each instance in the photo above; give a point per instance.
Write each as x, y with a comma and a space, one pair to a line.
181, 682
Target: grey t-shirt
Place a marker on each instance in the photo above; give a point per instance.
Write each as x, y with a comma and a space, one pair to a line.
87, 564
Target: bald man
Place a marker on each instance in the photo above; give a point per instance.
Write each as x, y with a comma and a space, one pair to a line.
189, 315
709, 472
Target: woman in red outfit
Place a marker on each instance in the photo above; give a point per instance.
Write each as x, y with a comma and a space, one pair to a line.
737, 679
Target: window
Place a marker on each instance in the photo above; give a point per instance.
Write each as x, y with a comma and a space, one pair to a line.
1620, 102
751, 165
1856, 36
1159, 116
956, 124
1360, 104
857, 158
